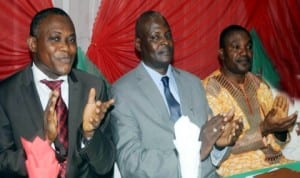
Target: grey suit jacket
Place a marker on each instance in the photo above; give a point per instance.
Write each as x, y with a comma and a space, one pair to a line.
142, 130
21, 115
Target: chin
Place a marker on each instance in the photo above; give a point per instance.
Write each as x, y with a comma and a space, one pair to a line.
64, 71
165, 64
244, 70
166, 61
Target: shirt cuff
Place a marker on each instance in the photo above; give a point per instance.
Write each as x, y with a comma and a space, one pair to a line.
85, 141
217, 156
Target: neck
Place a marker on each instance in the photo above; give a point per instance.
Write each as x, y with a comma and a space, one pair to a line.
233, 77
162, 69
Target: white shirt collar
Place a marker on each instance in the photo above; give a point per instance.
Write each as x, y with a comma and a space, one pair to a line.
38, 75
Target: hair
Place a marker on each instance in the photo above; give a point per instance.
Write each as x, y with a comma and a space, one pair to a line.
41, 15
228, 31
144, 17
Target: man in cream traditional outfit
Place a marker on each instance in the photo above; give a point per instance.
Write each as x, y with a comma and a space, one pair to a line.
266, 120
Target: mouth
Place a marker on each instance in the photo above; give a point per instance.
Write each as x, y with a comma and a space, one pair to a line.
65, 59
166, 52
244, 61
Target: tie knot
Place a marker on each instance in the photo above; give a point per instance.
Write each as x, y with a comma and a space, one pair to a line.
55, 84
165, 81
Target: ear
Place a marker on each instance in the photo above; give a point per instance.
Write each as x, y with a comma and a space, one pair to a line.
221, 56
221, 53
138, 44
32, 43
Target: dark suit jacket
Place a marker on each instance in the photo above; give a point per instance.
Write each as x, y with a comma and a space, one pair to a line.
21, 115
141, 127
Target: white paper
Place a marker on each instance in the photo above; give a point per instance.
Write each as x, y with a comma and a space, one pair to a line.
188, 147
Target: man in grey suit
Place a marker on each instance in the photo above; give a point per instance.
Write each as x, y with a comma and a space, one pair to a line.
28, 106
142, 129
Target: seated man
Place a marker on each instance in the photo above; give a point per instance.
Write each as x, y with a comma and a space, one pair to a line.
51, 100
266, 122
151, 98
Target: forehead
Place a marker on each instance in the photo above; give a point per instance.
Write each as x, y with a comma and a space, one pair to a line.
56, 22
236, 36
153, 24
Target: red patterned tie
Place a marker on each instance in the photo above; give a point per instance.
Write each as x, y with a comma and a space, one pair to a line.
62, 115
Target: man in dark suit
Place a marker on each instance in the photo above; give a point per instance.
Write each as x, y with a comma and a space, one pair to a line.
28, 106
142, 128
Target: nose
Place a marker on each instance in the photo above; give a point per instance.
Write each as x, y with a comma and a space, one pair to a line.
164, 41
65, 45
244, 51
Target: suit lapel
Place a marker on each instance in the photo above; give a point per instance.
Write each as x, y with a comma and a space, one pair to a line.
31, 99
76, 104
184, 94
151, 92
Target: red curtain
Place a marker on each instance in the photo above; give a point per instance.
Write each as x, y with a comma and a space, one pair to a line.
196, 25
15, 18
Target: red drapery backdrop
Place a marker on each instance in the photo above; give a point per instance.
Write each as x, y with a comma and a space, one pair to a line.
15, 18
196, 25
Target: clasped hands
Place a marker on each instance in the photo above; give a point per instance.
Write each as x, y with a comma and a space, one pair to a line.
220, 131
277, 119
93, 114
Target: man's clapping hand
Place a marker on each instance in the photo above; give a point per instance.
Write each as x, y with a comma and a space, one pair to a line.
94, 113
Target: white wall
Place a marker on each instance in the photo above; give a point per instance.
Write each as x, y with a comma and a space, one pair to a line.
83, 13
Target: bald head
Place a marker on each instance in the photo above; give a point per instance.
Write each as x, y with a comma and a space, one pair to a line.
146, 17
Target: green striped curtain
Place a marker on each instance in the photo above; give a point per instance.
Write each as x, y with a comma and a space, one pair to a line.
262, 64
84, 63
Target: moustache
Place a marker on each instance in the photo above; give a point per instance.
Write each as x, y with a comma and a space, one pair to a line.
244, 59
166, 49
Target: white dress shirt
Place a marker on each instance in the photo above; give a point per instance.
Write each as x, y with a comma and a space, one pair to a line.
44, 91
156, 77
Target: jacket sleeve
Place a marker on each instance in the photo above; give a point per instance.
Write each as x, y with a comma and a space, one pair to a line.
12, 157
98, 154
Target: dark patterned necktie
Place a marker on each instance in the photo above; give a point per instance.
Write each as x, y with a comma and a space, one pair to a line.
174, 106
62, 116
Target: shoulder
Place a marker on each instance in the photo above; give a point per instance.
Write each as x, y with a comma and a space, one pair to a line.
185, 75
212, 83
186, 78
211, 77
258, 80
87, 81
129, 79
82, 74
20, 77
189, 83
85, 77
